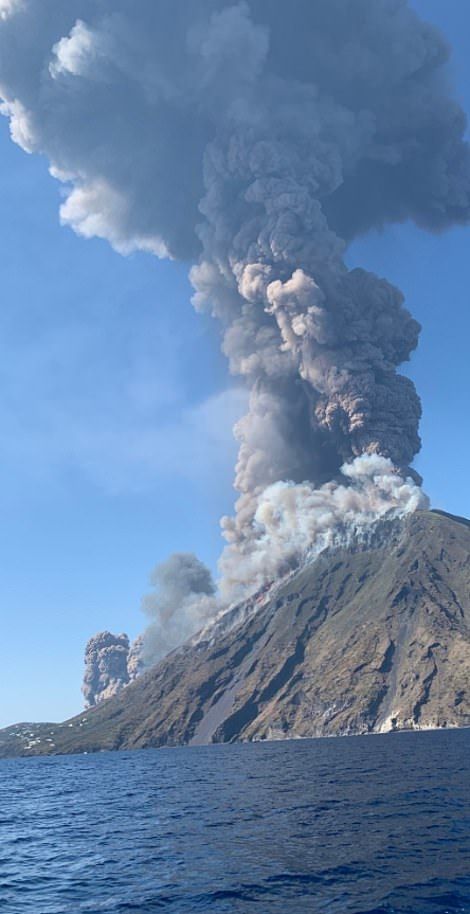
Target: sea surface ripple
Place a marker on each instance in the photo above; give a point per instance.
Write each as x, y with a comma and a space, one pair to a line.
372, 824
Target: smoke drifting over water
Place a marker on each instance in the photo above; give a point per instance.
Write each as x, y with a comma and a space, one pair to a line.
256, 139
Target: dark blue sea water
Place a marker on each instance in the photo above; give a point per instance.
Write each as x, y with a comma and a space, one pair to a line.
376, 824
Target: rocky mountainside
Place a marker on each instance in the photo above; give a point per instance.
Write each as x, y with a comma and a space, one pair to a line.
361, 641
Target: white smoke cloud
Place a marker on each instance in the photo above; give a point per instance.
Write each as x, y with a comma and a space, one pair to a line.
21, 129
73, 52
98, 210
293, 523
9, 8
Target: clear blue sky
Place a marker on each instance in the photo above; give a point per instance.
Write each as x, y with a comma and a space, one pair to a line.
111, 459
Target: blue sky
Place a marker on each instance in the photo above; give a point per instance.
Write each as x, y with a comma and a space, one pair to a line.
112, 456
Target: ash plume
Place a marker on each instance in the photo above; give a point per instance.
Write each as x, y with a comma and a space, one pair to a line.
105, 667
295, 523
257, 139
183, 600
135, 663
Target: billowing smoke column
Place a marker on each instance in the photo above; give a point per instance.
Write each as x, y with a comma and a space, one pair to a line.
105, 667
182, 602
256, 139
135, 662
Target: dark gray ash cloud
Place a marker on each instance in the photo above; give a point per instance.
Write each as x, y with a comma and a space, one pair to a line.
256, 139
105, 667
135, 662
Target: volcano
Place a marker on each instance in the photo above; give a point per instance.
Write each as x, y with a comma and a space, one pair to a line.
361, 640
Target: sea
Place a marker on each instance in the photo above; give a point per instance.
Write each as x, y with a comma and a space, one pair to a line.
375, 824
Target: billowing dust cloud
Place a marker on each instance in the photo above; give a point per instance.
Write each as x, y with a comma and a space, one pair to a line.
105, 667
256, 139
299, 520
183, 599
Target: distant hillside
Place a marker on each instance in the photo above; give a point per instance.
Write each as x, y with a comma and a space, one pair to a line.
356, 642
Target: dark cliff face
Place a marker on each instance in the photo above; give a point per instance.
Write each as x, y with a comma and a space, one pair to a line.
357, 642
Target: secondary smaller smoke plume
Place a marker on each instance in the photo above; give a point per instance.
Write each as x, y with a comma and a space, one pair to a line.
135, 663
182, 603
105, 667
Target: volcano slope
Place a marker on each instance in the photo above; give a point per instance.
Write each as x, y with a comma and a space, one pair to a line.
355, 642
